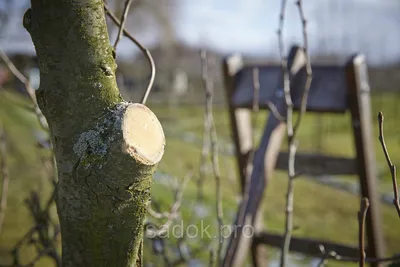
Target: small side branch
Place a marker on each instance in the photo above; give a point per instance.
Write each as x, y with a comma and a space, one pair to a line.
174, 211
307, 86
209, 122
44, 235
5, 176
392, 167
29, 89
290, 135
144, 50
362, 214
122, 25
292, 128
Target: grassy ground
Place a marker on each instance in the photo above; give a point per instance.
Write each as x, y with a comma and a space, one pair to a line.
26, 171
320, 211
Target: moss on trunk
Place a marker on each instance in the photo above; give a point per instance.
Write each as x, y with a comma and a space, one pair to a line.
104, 169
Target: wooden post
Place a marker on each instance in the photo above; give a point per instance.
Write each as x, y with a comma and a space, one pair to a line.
240, 118
349, 84
264, 163
360, 108
263, 166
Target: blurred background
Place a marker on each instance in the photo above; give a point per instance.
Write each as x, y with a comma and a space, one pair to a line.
174, 31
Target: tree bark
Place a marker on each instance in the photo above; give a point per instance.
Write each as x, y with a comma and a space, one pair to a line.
106, 149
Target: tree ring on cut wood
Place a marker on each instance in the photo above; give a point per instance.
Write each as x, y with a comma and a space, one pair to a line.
142, 134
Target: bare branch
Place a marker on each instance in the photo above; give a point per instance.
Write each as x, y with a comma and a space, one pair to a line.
211, 258
174, 211
289, 204
4, 175
144, 50
292, 130
325, 255
43, 235
256, 87
289, 115
205, 152
256, 94
304, 98
392, 167
28, 87
392, 259
275, 111
362, 214
209, 90
256, 108
122, 25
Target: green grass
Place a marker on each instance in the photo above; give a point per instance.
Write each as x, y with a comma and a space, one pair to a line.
320, 211
24, 160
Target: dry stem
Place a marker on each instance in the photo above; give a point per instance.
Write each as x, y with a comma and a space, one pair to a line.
390, 164
28, 87
292, 130
362, 214
4, 175
209, 90
144, 50
122, 25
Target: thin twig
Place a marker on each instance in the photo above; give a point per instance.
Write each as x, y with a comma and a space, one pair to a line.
211, 258
255, 110
39, 235
122, 25
392, 167
303, 105
292, 130
194, 252
174, 211
289, 205
289, 125
256, 106
323, 259
325, 255
209, 90
4, 175
205, 152
362, 214
144, 50
392, 259
256, 87
275, 111
18, 75
28, 87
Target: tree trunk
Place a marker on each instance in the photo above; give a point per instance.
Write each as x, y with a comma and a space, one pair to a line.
106, 149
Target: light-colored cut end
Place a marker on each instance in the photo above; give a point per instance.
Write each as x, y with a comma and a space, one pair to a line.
143, 134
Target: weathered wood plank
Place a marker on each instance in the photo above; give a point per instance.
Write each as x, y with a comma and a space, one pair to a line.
260, 172
306, 246
317, 164
360, 108
263, 166
240, 118
328, 91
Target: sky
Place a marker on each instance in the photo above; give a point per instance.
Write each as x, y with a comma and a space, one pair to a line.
335, 26
342, 27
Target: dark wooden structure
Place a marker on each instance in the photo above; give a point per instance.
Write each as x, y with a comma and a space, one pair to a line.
335, 89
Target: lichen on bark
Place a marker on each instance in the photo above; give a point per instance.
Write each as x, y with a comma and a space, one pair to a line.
101, 143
